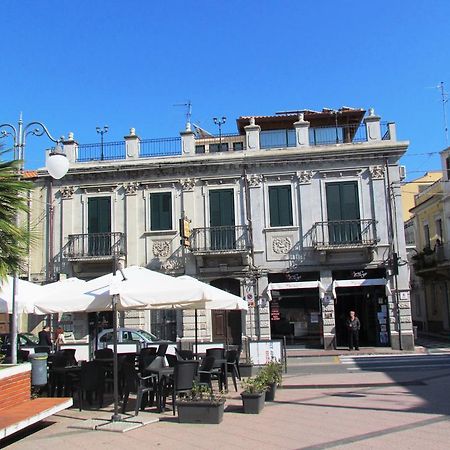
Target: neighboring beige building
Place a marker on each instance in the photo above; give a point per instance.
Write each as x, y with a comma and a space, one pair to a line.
294, 208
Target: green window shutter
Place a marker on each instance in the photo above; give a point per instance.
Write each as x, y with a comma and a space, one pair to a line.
342, 201
280, 206
99, 215
161, 211
221, 207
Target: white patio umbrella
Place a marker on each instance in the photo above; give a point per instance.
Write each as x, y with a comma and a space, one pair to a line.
141, 289
26, 294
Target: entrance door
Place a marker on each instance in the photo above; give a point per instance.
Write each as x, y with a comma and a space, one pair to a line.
221, 207
99, 224
370, 306
227, 325
343, 213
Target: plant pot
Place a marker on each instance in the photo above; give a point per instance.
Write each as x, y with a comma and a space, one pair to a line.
270, 393
246, 370
253, 403
200, 412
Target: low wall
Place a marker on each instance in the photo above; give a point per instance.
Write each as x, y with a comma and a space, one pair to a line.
15, 385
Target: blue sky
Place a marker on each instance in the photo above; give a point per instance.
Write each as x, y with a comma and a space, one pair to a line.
80, 64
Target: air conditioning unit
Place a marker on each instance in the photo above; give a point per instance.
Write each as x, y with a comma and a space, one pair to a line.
402, 170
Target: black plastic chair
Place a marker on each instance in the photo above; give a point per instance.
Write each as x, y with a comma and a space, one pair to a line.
207, 372
139, 385
171, 360
232, 366
162, 349
104, 353
219, 371
70, 355
181, 382
184, 354
92, 381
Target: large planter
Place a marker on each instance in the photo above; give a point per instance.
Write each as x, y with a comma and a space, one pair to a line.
200, 412
253, 403
270, 393
246, 370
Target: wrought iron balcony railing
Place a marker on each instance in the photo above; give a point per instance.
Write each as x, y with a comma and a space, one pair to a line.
95, 246
224, 239
344, 234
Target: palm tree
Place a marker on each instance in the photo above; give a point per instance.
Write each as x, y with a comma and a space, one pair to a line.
14, 239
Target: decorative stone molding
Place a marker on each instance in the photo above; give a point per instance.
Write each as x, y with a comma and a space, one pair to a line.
171, 264
377, 172
281, 245
254, 180
336, 173
305, 176
67, 192
161, 249
131, 188
188, 184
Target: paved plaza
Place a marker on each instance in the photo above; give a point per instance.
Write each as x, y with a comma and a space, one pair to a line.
326, 402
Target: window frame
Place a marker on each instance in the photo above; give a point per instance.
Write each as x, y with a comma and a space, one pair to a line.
278, 186
171, 209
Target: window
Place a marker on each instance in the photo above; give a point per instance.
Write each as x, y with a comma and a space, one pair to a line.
161, 211
280, 206
277, 138
199, 149
238, 146
344, 225
107, 337
426, 235
439, 229
214, 148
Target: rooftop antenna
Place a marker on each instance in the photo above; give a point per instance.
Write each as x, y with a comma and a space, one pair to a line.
188, 106
444, 96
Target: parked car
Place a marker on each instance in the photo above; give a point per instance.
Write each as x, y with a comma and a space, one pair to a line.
130, 339
24, 340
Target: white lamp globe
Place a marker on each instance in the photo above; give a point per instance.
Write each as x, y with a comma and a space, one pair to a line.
57, 165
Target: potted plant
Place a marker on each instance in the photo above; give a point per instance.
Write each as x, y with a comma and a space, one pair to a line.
253, 395
246, 368
201, 405
272, 375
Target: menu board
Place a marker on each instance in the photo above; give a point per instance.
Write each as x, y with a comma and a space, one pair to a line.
274, 310
262, 352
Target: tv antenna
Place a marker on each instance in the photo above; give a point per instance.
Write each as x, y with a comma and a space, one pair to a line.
444, 97
188, 106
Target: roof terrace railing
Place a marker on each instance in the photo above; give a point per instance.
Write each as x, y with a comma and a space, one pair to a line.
98, 152
160, 147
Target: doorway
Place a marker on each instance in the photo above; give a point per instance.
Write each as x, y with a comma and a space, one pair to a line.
227, 325
370, 306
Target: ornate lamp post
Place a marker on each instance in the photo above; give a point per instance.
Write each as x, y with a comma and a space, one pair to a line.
219, 123
57, 166
101, 132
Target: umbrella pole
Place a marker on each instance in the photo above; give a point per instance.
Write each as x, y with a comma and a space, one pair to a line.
115, 417
196, 335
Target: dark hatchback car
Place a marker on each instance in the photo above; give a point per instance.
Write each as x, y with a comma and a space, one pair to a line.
25, 340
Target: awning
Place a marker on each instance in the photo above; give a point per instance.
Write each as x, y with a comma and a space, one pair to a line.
362, 282
296, 285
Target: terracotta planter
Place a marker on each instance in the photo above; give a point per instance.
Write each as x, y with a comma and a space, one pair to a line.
270, 393
200, 412
253, 403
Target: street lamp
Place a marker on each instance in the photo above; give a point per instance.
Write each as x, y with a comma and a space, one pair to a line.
57, 166
101, 132
219, 123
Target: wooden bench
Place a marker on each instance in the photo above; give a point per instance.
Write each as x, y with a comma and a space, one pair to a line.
17, 410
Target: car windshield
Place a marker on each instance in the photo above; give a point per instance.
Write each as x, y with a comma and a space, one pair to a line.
31, 337
148, 336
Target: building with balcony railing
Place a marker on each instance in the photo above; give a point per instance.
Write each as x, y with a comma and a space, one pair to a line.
295, 211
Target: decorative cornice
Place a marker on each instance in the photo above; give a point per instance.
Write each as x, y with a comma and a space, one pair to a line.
339, 173
188, 184
131, 188
305, 176
67, 192
254, 180
376, 172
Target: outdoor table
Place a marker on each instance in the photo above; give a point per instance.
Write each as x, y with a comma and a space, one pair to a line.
60, 377
162, 373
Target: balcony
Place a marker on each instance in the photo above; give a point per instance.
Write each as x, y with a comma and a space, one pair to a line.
220, 240
344, 234
95, 246
432, 262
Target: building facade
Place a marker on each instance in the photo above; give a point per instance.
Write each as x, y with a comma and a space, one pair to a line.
298, 212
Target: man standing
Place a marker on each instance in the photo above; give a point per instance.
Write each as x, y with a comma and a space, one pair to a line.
45, 337
353, 326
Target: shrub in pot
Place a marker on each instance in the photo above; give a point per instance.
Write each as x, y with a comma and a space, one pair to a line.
253, 395
201, 405
272, 375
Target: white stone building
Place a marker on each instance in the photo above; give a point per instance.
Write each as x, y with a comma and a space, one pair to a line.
299, 208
